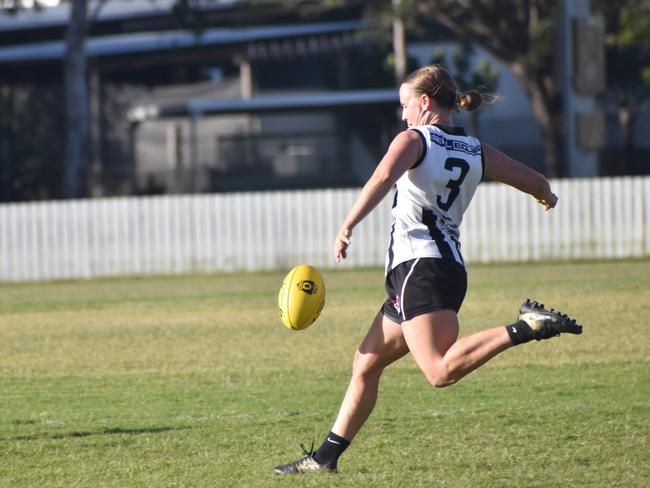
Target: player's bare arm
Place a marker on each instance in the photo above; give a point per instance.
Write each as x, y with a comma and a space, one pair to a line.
403, 152
503, 168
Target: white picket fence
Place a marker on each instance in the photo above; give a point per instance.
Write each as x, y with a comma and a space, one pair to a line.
595, 218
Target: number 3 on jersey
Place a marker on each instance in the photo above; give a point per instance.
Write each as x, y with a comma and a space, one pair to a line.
453, 185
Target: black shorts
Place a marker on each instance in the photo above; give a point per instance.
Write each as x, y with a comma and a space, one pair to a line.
424, 285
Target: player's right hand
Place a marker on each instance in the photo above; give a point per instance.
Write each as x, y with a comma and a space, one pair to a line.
341, 244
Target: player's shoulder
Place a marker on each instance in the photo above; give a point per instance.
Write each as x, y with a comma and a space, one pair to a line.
422, 130
438, 132
409, 137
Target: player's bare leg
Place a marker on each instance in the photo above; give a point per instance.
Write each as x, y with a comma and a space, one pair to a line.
444, 360
432, 339
383, 345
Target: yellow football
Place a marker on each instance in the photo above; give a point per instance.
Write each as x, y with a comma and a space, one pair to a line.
301, 297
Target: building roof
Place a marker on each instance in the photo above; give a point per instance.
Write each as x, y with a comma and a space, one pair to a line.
266, 103
126, 44
113, 10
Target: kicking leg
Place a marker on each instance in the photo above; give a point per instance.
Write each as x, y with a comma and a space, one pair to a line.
432, 339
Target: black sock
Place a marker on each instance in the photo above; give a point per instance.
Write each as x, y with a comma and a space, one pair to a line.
520, 332
330, 450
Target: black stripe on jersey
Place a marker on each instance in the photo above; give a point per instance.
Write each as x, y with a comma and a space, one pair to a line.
424, 149
482, 163
429, 219
460, 254
391, 253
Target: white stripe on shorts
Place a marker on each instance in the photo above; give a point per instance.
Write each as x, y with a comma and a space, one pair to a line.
401, 298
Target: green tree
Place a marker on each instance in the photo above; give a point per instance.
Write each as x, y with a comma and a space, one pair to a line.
521, 34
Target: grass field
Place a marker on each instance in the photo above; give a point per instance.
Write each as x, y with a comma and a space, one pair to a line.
192, 381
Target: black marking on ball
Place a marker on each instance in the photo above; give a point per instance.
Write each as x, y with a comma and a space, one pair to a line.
308, 286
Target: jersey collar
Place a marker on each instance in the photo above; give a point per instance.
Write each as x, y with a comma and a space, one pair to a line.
451, 129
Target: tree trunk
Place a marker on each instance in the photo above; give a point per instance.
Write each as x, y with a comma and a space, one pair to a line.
543, 103
399, 43
552, 140
76, 101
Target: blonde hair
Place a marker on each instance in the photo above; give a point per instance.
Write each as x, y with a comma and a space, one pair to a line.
438, 84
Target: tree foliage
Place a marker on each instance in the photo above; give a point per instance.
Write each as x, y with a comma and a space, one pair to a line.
13, 6
628, 67
484, 77
628, 44
521, 34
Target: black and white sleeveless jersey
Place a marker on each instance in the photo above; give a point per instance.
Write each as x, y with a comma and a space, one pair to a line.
432, 196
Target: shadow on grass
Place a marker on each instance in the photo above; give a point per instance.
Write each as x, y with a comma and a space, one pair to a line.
106, 431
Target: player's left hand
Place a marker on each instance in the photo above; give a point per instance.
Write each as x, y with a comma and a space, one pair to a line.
549, 201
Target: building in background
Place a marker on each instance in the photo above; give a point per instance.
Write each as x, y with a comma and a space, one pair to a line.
234, 99
241, 100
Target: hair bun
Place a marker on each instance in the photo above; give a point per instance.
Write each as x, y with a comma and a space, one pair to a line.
469, 100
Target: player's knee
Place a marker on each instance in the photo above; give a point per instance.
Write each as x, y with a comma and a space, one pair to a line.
363, 367
440, 378
444, 382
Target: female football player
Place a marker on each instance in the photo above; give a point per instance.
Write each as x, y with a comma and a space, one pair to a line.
436, 167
